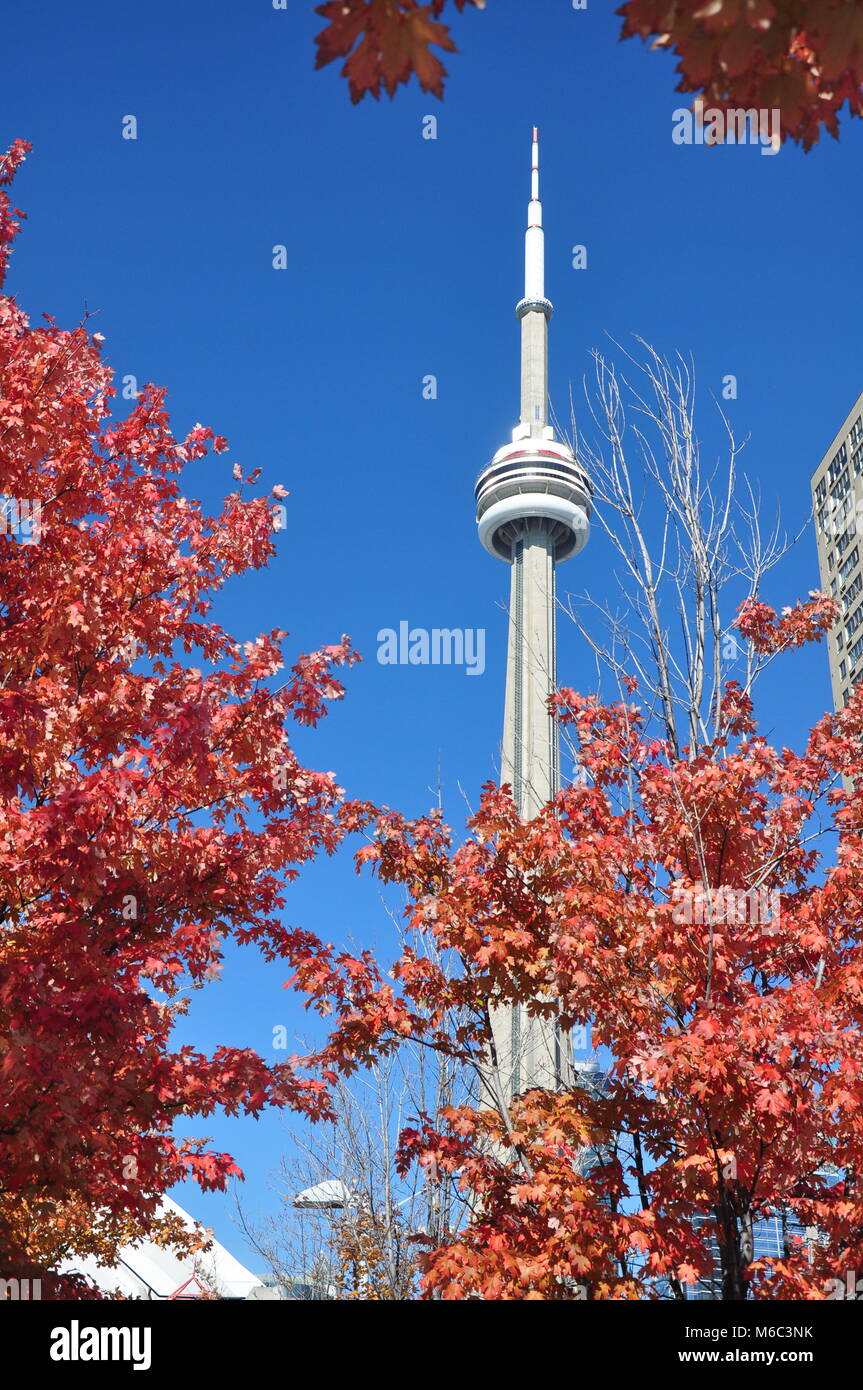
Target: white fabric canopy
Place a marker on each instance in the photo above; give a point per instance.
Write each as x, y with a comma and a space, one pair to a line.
146, 1271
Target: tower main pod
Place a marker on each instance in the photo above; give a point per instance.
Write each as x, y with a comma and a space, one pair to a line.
533, 511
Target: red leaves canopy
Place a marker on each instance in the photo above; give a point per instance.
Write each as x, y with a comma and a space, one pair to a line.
679, 908
802, 57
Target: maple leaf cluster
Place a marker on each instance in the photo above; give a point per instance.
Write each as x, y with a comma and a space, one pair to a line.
386, 42
803, 58
806, 622
151, 804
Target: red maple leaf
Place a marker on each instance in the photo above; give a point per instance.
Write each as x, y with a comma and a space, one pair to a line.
386, 42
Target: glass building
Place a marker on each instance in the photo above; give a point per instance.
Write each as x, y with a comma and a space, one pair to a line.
772, 1238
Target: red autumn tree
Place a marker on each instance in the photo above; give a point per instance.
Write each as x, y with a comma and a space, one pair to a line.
151, 805
680, 905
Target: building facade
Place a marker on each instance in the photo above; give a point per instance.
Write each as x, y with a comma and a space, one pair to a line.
837, 501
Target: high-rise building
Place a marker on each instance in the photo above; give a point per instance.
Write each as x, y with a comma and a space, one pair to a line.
837, 500
773, 1238
533, 507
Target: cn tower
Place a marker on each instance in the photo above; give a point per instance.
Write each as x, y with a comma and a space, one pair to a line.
533, 507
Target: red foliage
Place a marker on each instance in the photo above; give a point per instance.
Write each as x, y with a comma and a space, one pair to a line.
9, 162
149, 808
795, 627
801, 57
386, 42
677, 907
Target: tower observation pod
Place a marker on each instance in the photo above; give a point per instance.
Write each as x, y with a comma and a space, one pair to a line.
533, 508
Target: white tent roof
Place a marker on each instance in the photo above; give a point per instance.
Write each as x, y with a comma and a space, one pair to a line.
146, 1271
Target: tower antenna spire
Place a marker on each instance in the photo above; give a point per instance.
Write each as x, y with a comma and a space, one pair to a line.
534, 241
534, 167
534, 311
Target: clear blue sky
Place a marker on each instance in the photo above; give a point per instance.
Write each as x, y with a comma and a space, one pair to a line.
404, 258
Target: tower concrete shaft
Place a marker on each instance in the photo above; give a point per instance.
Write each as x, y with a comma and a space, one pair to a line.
530, 1049
533, 510
529, 761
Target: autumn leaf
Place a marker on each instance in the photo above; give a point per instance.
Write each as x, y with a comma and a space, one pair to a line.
386, 42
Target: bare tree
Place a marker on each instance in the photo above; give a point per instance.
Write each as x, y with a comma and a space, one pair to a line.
366, 1242
688, 539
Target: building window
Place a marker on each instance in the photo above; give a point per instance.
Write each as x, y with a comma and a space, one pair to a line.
852, 591
841, 486
837, 464
843, 670
820, 492
848, 563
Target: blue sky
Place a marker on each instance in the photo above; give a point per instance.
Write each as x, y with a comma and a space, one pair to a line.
404, 259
